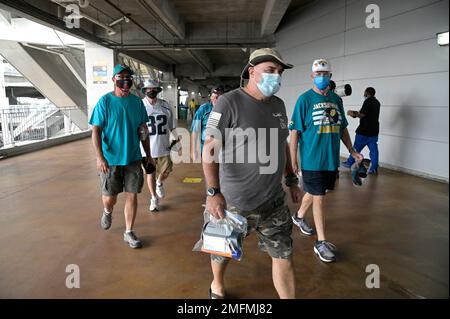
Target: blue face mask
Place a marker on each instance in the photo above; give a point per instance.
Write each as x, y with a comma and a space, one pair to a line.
322, 82
270, 84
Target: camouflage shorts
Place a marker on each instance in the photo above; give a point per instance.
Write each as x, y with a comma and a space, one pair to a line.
272, 223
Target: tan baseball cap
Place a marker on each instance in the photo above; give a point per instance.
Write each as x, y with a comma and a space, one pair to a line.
264, 55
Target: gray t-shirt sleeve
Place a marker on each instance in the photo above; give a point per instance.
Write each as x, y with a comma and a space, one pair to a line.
219, 119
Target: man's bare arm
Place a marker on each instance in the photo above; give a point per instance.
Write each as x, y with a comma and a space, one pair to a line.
293, 148
215, 205
102, 164
356, 114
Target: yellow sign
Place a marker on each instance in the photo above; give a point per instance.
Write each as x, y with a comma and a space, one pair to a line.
192, 180
329, 129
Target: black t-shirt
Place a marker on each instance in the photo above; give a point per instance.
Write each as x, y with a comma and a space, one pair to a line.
369, 125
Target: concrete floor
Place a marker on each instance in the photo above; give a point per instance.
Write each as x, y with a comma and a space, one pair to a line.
49, 218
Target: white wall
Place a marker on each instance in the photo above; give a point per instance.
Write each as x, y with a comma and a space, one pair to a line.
401, 60
97, 55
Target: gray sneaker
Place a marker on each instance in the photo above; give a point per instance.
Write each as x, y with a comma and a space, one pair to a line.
303, 225
106, 220
325, 250
132, 240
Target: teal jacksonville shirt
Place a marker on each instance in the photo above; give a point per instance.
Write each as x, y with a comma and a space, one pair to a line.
320, 121
120, 118
200, 120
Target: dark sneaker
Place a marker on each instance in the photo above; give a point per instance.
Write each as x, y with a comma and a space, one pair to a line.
132, 240
262, 246
106, 220
372, 172
325, 250
303, 225
356, 178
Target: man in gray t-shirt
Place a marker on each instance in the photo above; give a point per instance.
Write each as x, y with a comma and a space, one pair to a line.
244, 159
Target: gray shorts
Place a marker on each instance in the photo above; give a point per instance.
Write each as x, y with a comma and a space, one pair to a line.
272, 223
129, 179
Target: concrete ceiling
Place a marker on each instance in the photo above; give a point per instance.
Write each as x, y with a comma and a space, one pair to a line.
195, 11
197, 39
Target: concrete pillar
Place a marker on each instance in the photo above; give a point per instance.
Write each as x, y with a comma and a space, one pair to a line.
3, 100
67, 125
170, 93
99, 63
4, 105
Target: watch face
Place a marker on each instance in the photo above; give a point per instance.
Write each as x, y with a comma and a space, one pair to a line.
211, 192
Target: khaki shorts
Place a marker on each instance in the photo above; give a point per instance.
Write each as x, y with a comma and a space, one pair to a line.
272, 223
163, 165
120, 179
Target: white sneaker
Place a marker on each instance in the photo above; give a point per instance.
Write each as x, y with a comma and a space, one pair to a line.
160, 190
154, 205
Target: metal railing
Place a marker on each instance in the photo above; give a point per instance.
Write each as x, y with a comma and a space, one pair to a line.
23, 124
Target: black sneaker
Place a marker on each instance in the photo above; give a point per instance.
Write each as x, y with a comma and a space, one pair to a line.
303, 225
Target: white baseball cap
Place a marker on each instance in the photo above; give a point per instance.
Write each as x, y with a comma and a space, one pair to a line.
321, 65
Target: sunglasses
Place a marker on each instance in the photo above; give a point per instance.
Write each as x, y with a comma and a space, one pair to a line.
123, 77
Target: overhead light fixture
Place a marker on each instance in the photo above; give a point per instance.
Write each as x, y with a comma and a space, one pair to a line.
124, 18
193, 93
169, 86
442, 38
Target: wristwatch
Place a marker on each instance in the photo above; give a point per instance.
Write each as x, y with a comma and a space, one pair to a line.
212, 191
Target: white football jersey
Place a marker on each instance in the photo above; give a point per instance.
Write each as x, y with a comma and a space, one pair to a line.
160, 123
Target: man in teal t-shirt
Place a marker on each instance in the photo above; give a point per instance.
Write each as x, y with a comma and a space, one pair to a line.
318, 125
199, 123
118, 125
